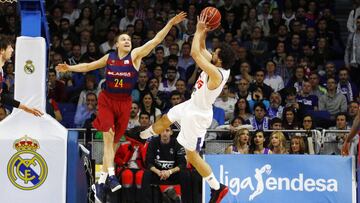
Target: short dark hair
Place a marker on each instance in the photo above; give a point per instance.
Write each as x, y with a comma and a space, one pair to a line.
173, 57
159, 48
144, 113
227, 56
342, 114
261, 105
175, 92
275, 120
4, 43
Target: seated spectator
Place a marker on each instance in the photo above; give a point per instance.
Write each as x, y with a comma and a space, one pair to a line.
240, 143
56, 88
257, 96
52, 108
316, 88
84, 111
271, 79
181, 88
332, 102
130, 161
257, 144
353, 107
227, 103
278, 143
148, 105
159, 96
298, 78
334, 141
345, 86
144, 119
175, 98
259, 82
276, 124
141, 85
259, 121
168, 85
275, 109
234, 126
310, 102
242, 109
244, 73
90, 86
243, 90
134, 116
166, 164
297, 145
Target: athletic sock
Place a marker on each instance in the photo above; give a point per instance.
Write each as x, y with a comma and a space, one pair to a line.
103, 176
111, 171
212, 181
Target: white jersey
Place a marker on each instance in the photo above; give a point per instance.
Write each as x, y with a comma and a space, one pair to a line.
202, 97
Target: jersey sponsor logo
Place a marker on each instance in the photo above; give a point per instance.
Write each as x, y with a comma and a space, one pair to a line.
27, 169
121, 74
165, 164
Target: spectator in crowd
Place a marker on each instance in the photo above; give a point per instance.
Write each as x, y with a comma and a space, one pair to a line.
275, 109
102, 23
92, 53
185, 60
249, 24
84, 111
275, 21
233, 127
244, 72
75, 55
352, 53
52, 108
279, 56
130, 165
332, 102
3, 113
159, 59
85, 21
353, 16
291, 101
271, 79
334, 141
175, 98
168, 85
65, 30
278, 143
257, 46
90, 86
330, 72
289, 14
134, 116
298, 79
290, 119
148, 105
243, 90
259, 82
70, 12
260, 121
130, 18
258, 97
158, 73
173, 61
276, 124
310, 102
316, 88
257, 144
353, 107
166, 164
345, 86
242, 109
56, 88
286, 72
141, 84
181, 88
109, 44
159, 96
226, 102
240, 143
297, 145
144, 119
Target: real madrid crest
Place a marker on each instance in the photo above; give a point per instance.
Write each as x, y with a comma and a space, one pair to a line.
29, 67
26, 169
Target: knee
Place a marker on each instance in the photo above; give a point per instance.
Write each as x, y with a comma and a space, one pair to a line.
138, 178
127, 178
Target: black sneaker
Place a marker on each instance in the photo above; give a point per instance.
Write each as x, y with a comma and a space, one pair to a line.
218, 195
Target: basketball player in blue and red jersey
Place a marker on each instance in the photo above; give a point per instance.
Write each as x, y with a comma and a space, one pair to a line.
355, 129
114, 103
6, 52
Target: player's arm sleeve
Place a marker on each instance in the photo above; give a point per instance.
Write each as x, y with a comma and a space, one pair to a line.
7, 100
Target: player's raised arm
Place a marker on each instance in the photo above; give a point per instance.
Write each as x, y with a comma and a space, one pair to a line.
83, 67
203, 49
138, 53
203, 63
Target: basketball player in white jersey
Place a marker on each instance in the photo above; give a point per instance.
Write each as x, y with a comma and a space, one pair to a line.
355, 130
195, 115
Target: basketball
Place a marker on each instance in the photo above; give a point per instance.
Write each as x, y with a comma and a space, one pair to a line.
213, 17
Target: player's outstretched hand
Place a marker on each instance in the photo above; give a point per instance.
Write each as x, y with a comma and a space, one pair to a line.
345, 149
201, 23
178, 18
62, 67
33, 111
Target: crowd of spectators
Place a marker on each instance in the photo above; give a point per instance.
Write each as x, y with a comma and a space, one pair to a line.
292, 71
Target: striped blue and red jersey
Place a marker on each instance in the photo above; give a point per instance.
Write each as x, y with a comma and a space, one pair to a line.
120, 76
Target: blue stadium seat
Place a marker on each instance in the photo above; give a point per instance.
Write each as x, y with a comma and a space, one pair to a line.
68, 113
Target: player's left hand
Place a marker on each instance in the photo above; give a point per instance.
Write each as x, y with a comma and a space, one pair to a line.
33, 111
178, 18
201, 23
